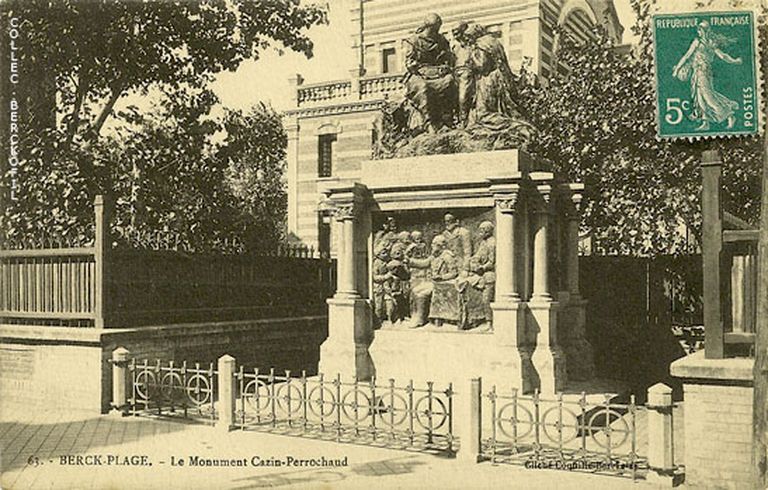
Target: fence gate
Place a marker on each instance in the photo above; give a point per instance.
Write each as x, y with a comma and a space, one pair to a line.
562, 432
387, 415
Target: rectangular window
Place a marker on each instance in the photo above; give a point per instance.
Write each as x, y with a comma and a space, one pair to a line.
388, 60
325, 154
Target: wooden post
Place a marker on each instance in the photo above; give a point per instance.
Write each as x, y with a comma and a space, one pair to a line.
102, 245
760, 407
712, 243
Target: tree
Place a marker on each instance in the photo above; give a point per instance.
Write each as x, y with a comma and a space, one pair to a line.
100, 51
254, 150
597, 126
86, 56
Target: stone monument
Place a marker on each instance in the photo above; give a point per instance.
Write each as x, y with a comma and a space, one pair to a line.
457, 265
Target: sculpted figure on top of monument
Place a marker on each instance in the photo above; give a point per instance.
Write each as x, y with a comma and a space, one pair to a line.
458, 98
429, 82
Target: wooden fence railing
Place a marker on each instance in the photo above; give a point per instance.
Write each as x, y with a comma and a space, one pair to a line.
730, 271
101, 285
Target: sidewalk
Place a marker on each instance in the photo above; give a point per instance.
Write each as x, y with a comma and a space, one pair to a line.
31, 447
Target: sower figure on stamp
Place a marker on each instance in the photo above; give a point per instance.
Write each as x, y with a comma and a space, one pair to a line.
696, 64
429, 84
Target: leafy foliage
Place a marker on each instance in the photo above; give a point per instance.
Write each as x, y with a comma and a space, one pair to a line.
597, 126
163, 168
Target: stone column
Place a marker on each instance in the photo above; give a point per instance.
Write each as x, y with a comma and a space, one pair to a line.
350, 333
346, 286
548, 359
541, 249
572, 245
508, 311
506, 249
578, 350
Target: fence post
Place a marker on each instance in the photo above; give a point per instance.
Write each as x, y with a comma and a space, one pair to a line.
227, 392
101, 245
469, 422
661, 454
120, 381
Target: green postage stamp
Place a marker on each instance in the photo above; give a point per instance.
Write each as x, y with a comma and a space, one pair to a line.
706, 74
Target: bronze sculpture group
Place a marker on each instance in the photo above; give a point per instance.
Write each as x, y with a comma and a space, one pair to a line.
468, 86
450, 281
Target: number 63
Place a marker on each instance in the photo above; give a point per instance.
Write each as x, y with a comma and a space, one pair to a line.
675, 108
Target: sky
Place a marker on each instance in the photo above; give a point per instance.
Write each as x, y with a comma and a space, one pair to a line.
266, 79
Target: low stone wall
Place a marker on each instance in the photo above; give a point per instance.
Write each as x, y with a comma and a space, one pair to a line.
51, 366
718, 420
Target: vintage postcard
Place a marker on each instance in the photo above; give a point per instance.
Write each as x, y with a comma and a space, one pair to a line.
383, 243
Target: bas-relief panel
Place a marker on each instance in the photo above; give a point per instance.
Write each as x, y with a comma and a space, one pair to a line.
434, 269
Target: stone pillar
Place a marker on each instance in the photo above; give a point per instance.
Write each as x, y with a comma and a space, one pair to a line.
548, 359
350, 331
541, 251
661, 455
508, 311
227, 392
469, 423
578, 350
572, 244
120, 380
506, 249
346, 286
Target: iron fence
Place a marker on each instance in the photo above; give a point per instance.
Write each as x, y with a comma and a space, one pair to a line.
387, 415
163, 388
562, 433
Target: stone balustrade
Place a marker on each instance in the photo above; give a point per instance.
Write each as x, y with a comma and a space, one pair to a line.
320, 93
381, 86
368, 88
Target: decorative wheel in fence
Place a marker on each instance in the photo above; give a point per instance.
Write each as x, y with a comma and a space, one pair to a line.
554, 430
392, 409
289, 399
172, 388
352, 403
427, 408
321, 401
511, 421
601, 429
144, 384
198, 390
256, 394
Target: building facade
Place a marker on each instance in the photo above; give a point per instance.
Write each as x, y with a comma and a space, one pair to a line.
332, 125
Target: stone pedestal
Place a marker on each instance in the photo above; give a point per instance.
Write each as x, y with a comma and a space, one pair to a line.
578, 351
717, 396
345, 351
509, 329
548, 359
505, 191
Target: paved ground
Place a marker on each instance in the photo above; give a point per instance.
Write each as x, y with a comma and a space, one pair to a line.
32, 446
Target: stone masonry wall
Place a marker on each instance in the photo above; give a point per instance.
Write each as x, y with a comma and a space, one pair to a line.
718, 428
